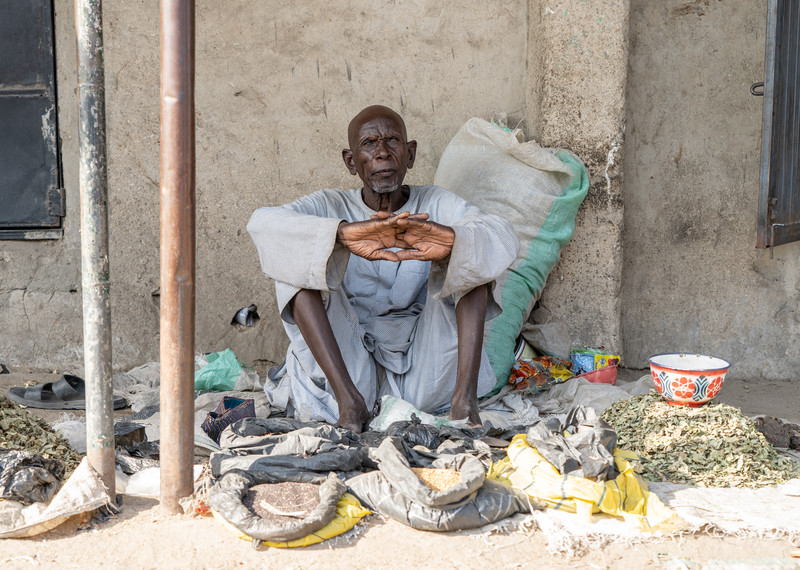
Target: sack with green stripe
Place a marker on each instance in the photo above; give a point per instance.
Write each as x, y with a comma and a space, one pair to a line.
538, 190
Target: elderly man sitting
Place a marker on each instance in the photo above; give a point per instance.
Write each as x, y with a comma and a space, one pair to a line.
382, 289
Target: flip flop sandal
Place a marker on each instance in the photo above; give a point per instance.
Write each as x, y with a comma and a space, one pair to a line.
66, 393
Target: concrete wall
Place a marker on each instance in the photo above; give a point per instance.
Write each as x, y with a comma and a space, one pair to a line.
277, 84
693, 280
576, 100
276, 87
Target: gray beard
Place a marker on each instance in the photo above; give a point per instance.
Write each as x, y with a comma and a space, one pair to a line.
385, 190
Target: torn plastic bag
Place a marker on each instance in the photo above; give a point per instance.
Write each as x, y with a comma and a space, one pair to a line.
422, 456
586, 452
83, 492
145, 450
226, 499
28, 477
397, 492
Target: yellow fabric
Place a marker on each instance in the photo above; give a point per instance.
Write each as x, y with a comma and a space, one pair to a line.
626, 496
348, 512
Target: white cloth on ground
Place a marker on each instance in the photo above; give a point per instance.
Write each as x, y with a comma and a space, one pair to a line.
392, 321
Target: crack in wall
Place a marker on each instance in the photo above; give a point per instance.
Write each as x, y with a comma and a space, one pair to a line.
28, 319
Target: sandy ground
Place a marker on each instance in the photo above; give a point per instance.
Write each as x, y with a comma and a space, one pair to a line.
142, 536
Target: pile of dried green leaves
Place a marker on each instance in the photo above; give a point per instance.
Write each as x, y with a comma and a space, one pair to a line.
714, 445
19, 429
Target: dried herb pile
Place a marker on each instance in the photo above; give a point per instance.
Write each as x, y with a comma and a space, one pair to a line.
711, 446
19, 429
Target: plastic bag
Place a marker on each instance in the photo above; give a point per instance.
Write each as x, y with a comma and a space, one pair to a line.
288, 449
348, 512
581, 446
586, 359
561, 398
414, 432
145, 483
547, 334
73, 430
392, 462
28, 477
221, 371
537, 373
626, 496
82, 493
492, 502
394, 409
397, 492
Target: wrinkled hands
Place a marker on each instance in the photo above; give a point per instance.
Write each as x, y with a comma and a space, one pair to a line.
416, 237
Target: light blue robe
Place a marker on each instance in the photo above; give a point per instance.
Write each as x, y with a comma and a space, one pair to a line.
394, 321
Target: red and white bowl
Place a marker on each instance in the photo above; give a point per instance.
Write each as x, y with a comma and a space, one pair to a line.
688, 379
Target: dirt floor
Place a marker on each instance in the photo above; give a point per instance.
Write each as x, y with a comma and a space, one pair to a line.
142, 536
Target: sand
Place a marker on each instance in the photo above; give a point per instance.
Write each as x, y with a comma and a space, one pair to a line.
142, 536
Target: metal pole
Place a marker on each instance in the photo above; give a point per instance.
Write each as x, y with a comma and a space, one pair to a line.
177, 251
94, 241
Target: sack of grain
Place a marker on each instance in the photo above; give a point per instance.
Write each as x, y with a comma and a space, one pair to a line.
451, 493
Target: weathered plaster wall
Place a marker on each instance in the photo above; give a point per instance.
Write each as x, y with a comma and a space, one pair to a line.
40, 282
693, 280
576, 100
277, 83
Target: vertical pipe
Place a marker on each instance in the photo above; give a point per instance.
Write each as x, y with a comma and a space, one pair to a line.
94, 241
177, 251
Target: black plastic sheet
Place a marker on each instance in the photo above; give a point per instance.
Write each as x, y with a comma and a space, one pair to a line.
28, 477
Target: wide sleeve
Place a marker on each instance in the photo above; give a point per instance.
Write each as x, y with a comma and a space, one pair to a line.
485, 246
296, 244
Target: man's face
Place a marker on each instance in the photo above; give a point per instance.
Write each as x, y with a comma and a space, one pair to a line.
379, 153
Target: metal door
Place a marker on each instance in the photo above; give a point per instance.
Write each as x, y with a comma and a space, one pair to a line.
779, 197
30, 180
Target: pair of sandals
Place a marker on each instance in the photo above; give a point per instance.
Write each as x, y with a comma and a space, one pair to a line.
66, 393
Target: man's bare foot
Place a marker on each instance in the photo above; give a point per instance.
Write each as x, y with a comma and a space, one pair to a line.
353, 417
461, 408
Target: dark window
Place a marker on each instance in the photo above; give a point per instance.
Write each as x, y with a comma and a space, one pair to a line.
31, 198
779, 197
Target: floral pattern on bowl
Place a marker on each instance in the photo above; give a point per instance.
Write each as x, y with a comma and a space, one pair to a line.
688, 379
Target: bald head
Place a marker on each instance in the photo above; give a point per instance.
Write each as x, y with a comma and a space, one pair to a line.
379, 151
369, 114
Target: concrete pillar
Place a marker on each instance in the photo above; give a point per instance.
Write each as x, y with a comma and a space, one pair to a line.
575, 99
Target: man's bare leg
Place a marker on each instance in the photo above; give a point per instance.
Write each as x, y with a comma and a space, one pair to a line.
309, 314
470, 318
